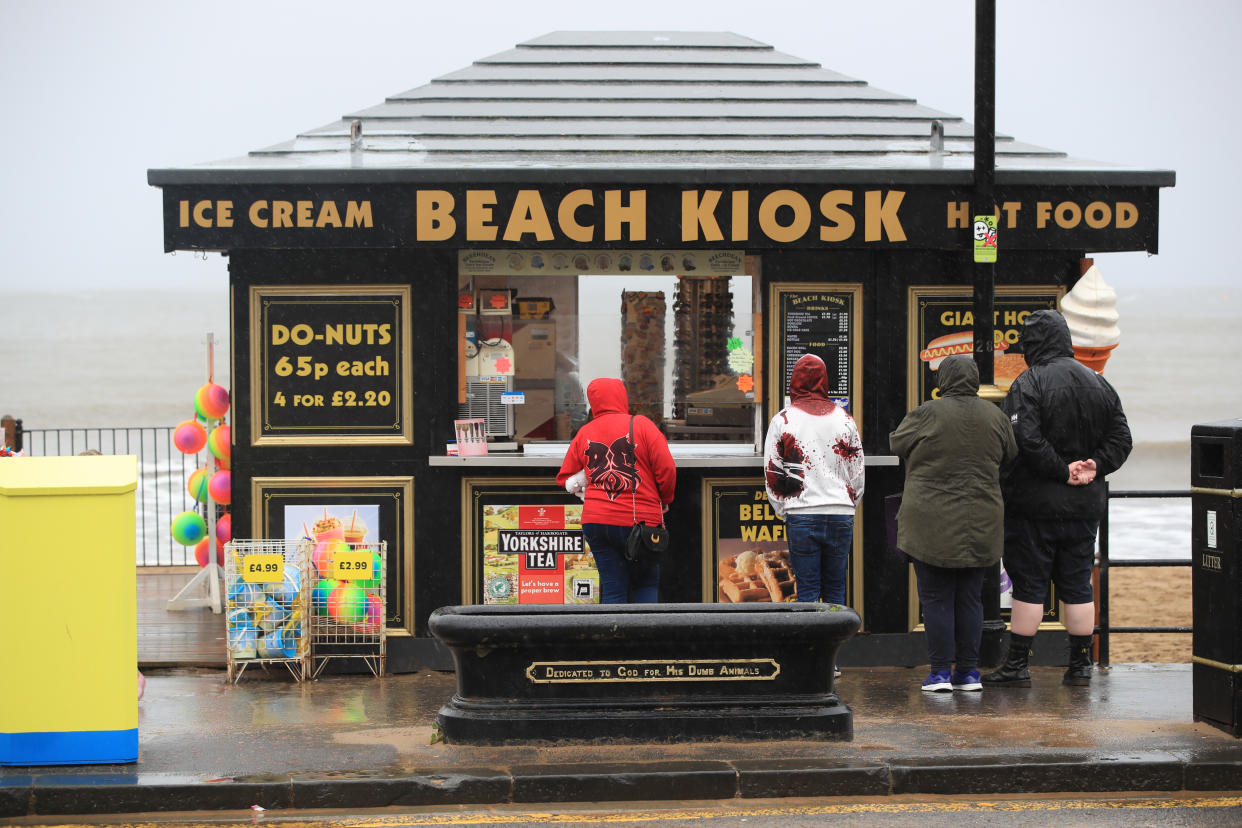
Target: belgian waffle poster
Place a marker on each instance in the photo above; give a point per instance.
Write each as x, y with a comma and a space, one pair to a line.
751, 553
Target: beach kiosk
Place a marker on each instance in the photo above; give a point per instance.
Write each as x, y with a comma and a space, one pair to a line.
421, 290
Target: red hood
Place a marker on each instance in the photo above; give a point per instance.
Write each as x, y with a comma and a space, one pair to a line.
607, 395
808, 388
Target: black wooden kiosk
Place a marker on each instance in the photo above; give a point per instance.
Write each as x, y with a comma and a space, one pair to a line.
691, 211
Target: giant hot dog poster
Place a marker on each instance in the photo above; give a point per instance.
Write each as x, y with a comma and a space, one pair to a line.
942, 324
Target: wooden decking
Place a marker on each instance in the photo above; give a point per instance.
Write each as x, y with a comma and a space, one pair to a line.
182, 638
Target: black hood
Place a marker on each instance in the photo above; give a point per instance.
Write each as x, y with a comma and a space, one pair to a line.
958, 376
1045, 337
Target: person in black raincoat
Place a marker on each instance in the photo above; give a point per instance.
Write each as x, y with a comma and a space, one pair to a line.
952, 517
1071, 432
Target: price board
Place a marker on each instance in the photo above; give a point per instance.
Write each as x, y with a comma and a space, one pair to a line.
330, 365
820, 319
263, 568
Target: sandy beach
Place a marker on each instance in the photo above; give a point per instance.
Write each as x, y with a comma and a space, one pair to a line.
1142, 596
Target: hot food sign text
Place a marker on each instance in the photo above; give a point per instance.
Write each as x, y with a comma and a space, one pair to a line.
217, 217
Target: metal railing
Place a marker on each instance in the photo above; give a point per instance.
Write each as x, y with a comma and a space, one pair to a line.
1104, 627
162, 475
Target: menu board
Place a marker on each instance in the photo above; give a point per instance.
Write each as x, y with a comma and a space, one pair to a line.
330, 365
821, 320
942, 324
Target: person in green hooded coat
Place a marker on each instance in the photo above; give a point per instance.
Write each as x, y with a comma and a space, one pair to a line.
952, 517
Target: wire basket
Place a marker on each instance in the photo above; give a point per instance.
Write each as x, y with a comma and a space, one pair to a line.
266, 605
348, 601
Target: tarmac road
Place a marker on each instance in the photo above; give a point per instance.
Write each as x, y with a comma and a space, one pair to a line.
1129, 810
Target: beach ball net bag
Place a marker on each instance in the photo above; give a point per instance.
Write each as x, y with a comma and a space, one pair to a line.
348, 595
267, 605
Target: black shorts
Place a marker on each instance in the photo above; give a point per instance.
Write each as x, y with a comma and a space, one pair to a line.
1060, 551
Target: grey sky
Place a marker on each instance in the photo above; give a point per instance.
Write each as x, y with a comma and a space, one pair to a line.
95, 93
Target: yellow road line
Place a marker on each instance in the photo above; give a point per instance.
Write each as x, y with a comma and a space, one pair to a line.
1000, 806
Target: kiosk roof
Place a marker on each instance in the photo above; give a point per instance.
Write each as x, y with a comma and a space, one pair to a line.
621, 104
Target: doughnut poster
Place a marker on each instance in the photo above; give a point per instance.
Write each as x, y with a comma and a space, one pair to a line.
942, 324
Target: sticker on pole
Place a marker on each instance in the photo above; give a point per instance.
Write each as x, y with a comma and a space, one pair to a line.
985, 239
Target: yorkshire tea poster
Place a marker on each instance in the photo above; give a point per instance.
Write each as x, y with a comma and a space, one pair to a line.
535, 554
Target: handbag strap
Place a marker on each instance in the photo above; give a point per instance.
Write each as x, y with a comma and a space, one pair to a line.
634, 491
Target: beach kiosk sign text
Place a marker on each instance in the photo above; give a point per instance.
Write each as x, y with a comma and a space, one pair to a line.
218, 217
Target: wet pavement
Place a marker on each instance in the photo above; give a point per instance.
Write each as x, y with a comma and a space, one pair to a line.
360, 741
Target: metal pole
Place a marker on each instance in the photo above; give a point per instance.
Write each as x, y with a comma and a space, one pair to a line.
991, 649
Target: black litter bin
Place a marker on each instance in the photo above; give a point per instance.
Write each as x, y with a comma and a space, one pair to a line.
1216, 544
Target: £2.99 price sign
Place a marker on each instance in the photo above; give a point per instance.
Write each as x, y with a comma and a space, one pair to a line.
352, 566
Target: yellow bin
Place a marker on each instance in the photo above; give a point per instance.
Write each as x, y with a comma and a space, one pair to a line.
68, 610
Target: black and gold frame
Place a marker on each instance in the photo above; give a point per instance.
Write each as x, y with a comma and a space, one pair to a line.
821, 319
393, 495
330, 365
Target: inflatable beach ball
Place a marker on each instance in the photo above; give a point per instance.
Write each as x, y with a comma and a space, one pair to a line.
224, 528
201, 553
347, 604
189, 437
375, 613
188, 528
319, 596
220, 442
220, 487
211, 402
197, 484
325, 552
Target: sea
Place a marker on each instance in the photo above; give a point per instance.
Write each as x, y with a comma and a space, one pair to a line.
116, 358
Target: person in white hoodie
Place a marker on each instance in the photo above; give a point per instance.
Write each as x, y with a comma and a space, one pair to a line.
813, 473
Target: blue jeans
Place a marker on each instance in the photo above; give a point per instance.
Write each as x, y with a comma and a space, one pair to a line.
620, 581
952, 614
819, 550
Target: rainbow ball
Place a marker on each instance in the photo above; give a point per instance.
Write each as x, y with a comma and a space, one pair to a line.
219, 443
188, 528
201, 553
325, 552
220, 487
224, 528
375, 612
189, 437
347, 604
211, 402
319, 596
197, 484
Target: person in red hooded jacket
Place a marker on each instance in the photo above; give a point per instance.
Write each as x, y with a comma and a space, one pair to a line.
626, 482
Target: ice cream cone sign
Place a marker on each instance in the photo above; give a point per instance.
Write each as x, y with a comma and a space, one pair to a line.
1090, 311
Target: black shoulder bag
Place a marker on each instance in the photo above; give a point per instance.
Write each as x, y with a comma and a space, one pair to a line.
646, 544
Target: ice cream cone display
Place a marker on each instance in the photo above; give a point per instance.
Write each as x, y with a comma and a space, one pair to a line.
1093, 358
1090, 311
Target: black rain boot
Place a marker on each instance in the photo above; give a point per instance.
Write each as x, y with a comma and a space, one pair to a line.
1014, 672
1079, 671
